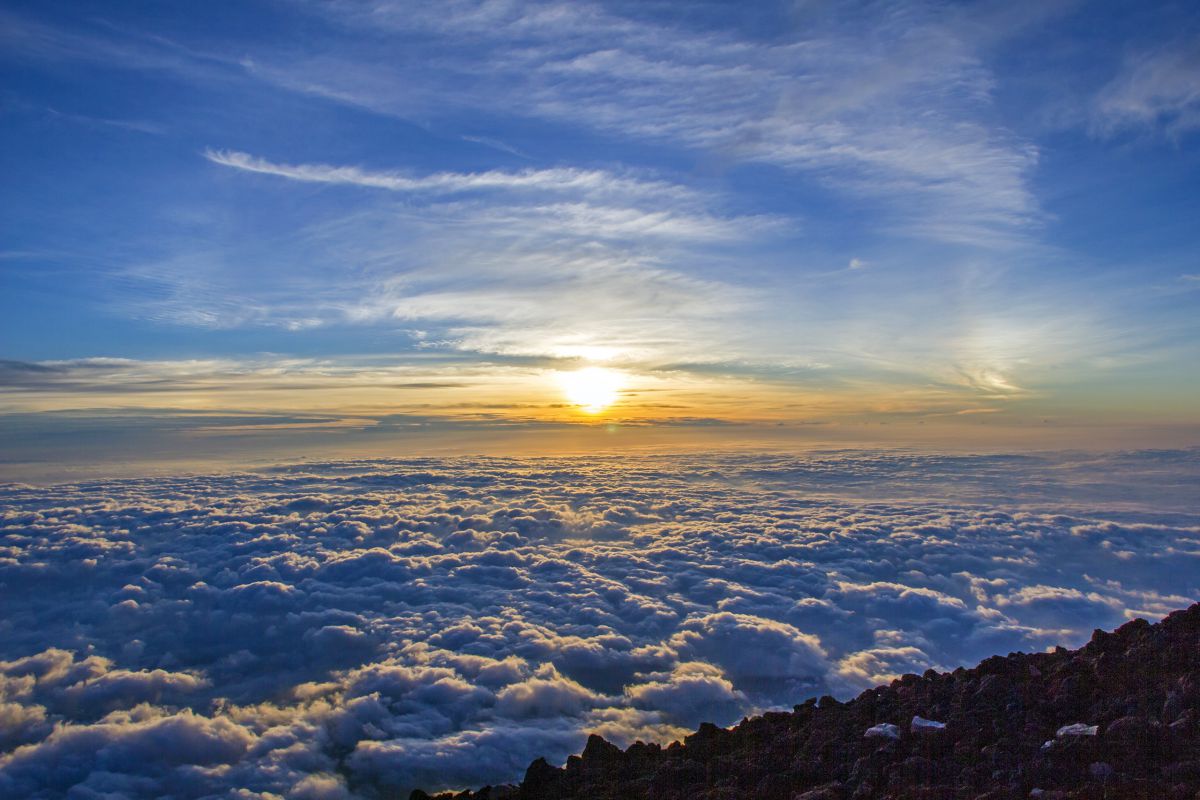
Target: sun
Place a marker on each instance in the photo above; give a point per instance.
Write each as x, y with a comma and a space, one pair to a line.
593, 389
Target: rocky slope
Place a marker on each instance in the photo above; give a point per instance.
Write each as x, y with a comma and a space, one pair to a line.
1118, 718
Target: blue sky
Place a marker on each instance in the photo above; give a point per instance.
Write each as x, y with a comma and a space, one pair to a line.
800, 213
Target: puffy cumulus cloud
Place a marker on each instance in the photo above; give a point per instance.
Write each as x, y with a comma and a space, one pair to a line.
321, 786
89, 686
142, 751
355, 629
881, 664
547, 694
757, 653
692, 693
1049, 604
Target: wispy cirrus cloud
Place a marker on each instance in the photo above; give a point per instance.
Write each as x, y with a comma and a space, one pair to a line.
536, 262
585, 202
556, 180
893, 106
1157, 87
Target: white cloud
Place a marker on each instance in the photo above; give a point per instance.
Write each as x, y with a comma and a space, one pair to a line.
547, 694
595, 183
444, 622
531, 262
893, 106
1157, 88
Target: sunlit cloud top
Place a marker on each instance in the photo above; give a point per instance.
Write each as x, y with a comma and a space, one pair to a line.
792, 214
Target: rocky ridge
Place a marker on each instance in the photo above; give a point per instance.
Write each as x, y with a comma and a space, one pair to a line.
1117, 718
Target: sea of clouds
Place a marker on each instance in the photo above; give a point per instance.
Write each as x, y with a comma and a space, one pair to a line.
359, 628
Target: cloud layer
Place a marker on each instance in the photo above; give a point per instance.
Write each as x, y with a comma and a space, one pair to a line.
344, 629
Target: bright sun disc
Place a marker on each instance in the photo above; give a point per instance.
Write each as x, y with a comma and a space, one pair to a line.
592, 389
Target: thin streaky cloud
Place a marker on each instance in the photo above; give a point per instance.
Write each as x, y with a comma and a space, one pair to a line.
1158, 88
556, 180
904, 118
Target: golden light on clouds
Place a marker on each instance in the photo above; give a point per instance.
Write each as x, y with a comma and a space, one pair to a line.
592, 389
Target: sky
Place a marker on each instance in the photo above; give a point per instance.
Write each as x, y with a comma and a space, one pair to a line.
394, 393
240, 228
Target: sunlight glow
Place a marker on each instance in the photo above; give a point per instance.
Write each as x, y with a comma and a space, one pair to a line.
587, 352
593, 389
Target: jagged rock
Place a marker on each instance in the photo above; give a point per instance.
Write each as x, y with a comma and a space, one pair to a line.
598, 752
541, 781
